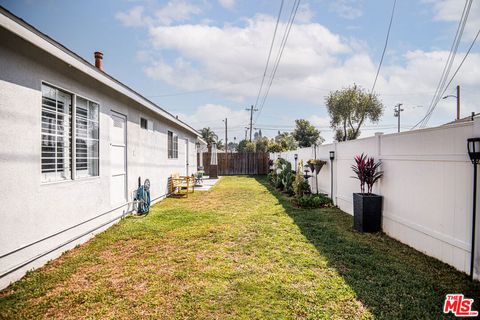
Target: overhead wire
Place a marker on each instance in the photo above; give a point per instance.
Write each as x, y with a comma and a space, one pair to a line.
384, 47
439, 96
461, 63
283, 43
446, 70
269, 52
201, 90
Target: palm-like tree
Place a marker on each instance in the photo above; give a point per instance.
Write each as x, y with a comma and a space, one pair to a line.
209, 136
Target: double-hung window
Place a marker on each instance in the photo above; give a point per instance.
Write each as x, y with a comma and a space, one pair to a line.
57, 132
172, 145
86, 156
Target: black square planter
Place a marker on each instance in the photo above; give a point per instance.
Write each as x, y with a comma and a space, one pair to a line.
367, 212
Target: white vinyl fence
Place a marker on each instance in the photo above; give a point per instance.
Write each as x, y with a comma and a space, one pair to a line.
427, 187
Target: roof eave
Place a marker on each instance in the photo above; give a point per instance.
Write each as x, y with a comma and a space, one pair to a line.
29, 33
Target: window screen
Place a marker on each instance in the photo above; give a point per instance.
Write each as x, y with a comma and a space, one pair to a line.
172, 145
87, 138
56, 134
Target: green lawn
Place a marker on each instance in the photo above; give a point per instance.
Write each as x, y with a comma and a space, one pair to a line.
239, 251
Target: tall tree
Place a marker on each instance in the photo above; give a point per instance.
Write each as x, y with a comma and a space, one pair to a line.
208, 135
246, 146
349, 108
286, 141
220, 145
232, 146
306, 134
261, 144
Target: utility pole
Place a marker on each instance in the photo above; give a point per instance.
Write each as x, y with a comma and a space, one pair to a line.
246, 131
458, 102
226, 144
226, 134
397, 112
251, 119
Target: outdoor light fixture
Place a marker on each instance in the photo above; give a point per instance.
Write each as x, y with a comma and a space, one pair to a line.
332, 156
473, 147
295, 156
306, 169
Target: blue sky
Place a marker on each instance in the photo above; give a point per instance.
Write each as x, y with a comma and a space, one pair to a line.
203, 60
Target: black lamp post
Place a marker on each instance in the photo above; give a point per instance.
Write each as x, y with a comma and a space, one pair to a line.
473, 147
296, 158
332, 157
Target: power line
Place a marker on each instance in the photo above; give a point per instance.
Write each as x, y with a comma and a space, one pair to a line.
201, 90
452, 53
286, 33
384, 47
439, 96
461, 63
269, 53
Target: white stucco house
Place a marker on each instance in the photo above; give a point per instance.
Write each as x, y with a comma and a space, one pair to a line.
73, 143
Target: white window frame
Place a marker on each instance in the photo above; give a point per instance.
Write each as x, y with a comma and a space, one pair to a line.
149, 123
67, 161
174, 141
77, 177
73, 167
146, 123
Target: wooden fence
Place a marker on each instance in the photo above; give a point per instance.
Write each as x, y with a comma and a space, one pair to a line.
237, 163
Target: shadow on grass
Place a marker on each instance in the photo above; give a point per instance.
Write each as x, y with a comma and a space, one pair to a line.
391, 279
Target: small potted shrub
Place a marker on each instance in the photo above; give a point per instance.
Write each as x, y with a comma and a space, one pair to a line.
316, 165
311, 164
367, 207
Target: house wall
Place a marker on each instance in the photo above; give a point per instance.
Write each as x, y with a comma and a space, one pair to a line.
32, 210
427, 187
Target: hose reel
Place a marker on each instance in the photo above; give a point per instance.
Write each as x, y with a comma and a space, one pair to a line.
143, 196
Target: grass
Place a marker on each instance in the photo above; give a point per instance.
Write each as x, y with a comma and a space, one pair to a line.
239, 251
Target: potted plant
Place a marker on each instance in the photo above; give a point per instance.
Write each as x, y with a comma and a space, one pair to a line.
367, 207
316, 165
311, 164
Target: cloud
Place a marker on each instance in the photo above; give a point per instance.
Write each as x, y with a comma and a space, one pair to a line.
304, 13
228, 4
176, 11
231, 58
319, 121
212, 115
132, 18
173, 11
451, 11
229, 54
347, 9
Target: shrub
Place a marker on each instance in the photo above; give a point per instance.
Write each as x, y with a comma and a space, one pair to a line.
314, 201
282, 176
300, 185
287, 181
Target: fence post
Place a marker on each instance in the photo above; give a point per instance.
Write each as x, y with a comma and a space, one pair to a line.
476, 259
335, 173
378, 156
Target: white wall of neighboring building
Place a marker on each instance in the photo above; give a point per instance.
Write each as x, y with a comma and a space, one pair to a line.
32, 210
427, 187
